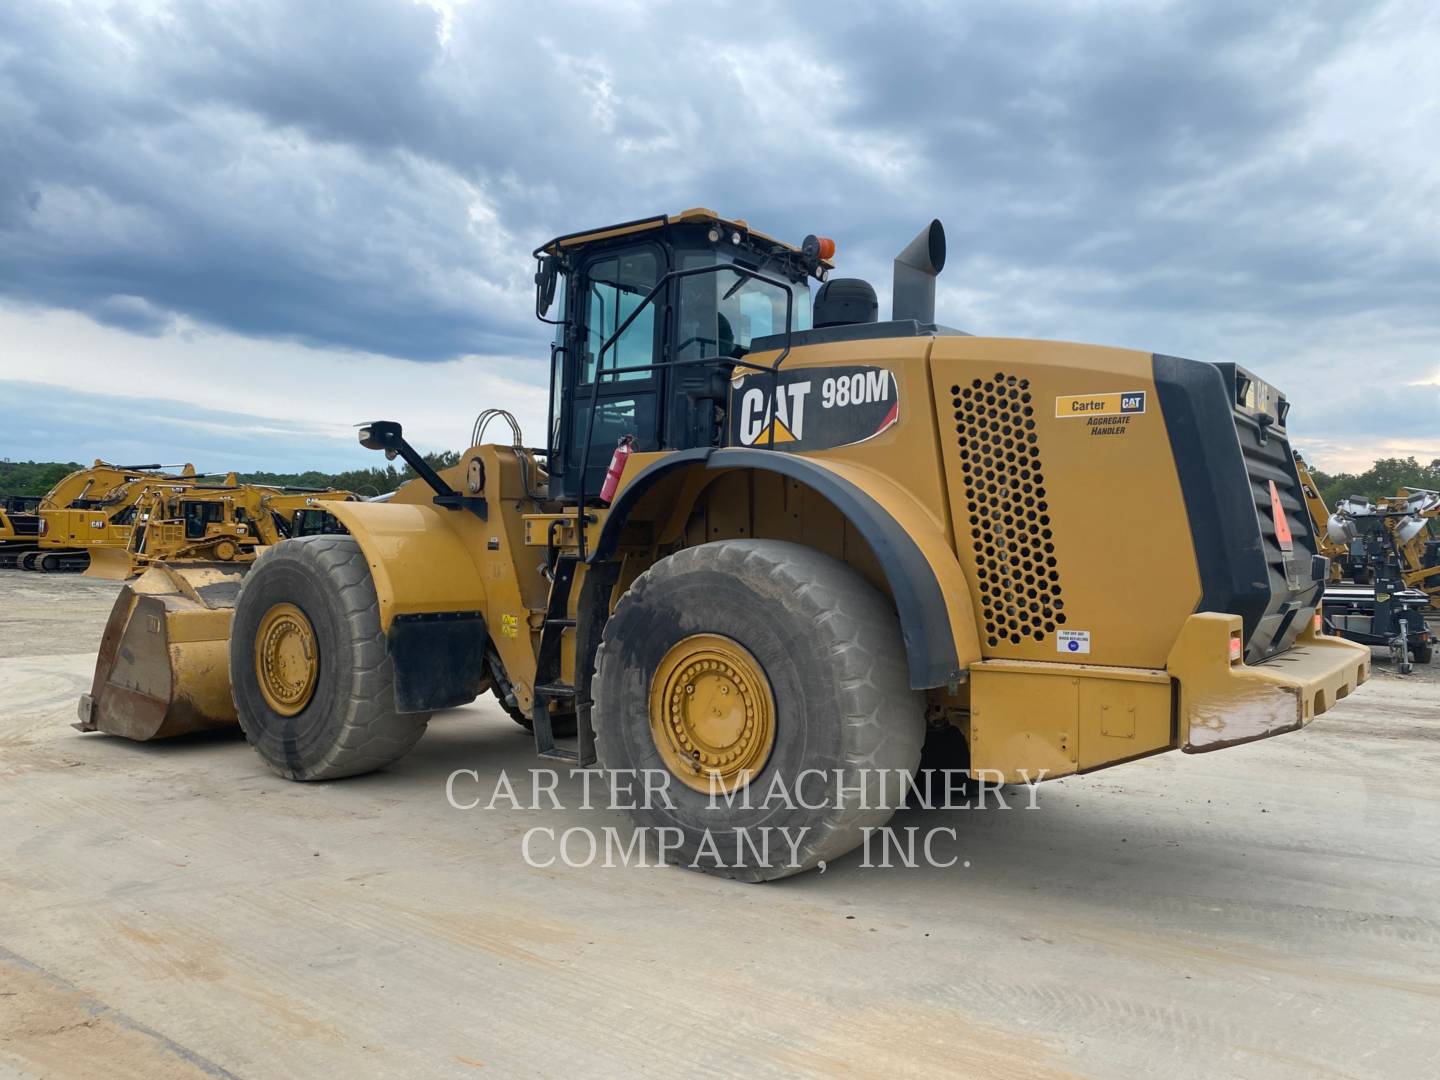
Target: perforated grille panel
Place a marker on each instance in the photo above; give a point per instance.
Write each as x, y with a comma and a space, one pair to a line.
1014, 546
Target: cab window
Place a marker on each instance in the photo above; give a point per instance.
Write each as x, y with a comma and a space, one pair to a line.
720, 314
615, 287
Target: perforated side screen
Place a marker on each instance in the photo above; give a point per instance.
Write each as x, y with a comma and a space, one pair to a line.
1009, 518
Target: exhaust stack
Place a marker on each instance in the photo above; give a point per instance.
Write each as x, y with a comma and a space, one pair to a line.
915, 270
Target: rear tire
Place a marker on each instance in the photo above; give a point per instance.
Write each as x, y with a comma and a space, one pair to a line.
830, 649
348, 724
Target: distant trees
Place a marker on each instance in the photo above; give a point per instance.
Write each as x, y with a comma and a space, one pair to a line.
366, 482
1386, 477
38, 477
33, 477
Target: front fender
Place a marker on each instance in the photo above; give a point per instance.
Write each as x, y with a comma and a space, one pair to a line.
431, 596
419, 556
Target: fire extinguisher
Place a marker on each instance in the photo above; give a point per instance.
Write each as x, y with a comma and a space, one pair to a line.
623, 450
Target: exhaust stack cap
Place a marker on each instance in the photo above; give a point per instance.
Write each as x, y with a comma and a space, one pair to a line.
915, 271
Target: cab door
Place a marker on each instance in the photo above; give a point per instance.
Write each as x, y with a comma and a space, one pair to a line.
608, 288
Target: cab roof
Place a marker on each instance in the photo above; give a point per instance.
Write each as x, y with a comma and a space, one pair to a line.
697, 215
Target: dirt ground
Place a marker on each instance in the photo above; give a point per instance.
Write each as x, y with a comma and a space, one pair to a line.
176, 910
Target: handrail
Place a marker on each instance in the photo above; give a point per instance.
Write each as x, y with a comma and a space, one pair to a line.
600, 371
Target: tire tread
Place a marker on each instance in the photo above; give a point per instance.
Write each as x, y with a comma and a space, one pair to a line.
372, 734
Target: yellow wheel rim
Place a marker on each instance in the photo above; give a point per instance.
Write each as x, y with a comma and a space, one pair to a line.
712, 713
287, 660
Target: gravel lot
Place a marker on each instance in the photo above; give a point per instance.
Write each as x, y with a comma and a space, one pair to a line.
175, 910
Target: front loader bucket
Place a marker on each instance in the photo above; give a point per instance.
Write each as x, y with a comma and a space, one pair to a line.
164, 663
112, 564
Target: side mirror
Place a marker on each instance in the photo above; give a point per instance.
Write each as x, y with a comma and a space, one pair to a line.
547, 274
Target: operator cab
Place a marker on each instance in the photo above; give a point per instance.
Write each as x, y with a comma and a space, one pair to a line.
651, 318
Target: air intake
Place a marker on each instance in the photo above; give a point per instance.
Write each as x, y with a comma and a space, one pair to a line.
1016, 570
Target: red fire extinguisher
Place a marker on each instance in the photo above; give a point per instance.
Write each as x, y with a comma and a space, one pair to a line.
622, 454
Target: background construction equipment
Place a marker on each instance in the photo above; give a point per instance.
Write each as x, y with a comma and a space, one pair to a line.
217, 524
19, 527
1385, 568
94, 508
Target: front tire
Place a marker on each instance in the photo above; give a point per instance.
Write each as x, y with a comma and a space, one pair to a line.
311, 674
766, 661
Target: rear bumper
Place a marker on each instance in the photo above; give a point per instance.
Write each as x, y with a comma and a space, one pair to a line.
1220, 704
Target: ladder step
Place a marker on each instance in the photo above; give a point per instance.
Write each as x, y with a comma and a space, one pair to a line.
555, 689
557, 753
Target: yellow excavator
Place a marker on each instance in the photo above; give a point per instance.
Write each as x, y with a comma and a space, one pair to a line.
19, 527
94, 508
228, 523
772, 545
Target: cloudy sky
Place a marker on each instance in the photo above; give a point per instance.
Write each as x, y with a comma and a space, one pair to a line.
273, 219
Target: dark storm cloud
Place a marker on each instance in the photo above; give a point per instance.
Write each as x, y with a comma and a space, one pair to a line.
372, 175
1140, 143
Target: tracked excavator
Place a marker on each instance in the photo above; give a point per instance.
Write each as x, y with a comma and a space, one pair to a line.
19, 527
94, 508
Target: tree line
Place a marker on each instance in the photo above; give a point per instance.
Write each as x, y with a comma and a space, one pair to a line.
38, 477
1386, 477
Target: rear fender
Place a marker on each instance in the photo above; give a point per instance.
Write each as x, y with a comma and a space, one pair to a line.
431, 595
926, 582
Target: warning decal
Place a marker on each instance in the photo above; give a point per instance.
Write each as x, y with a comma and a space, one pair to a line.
1282, 523
1072, 641
812, 408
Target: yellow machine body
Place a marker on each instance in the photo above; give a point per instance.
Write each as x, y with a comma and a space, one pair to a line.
1094, 554
1155, 673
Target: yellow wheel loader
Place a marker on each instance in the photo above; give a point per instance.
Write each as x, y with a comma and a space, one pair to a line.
19, 527
92, 510
228, 523
773, 542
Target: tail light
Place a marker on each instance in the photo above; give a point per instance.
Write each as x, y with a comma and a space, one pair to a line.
1237, 648
1319, 623
44, 526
